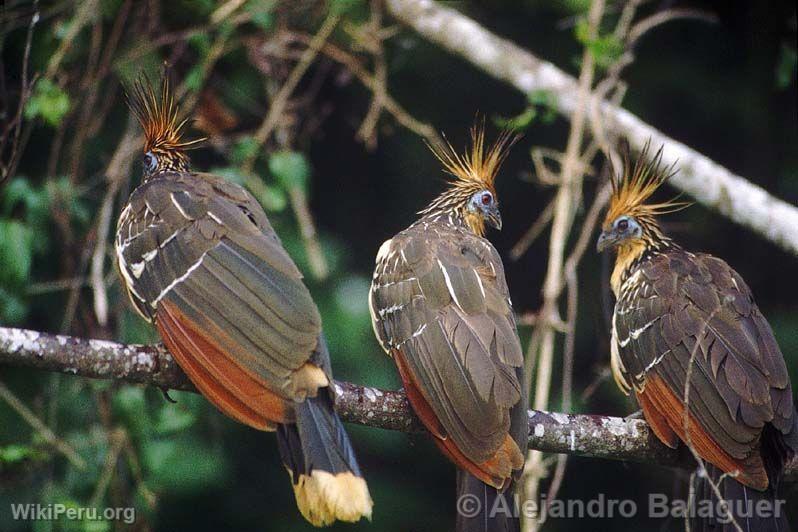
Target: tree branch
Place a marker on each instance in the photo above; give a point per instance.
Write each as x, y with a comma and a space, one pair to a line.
584, 435
708, 182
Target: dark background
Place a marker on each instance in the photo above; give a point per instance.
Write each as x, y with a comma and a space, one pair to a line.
727, 89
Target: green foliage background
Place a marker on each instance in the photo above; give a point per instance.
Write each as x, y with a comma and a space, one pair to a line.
727, 89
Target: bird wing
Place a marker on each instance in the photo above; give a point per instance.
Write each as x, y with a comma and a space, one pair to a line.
691, 315
200, 259
440, 306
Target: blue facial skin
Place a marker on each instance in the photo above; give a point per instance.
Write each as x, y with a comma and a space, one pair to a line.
484, 202
623, 228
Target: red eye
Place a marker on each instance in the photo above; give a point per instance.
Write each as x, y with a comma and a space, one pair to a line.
623, 225
486, 198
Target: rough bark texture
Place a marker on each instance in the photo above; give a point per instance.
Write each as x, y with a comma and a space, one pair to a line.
708, 182
585, 435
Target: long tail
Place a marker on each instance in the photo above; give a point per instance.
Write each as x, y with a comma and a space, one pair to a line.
752, 510
483, 508
327, 481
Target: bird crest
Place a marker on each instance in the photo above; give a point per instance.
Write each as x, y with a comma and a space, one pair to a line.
158, 116
478, 166
636, 184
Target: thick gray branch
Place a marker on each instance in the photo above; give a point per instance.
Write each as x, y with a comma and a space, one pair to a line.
586, 435
708, 182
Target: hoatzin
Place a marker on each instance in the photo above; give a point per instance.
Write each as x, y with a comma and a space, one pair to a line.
691, 343
200, 260
440, 307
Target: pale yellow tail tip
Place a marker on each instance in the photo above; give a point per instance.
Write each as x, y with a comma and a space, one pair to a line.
323, 498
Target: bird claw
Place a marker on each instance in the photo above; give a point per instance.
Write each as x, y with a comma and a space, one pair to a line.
165, 392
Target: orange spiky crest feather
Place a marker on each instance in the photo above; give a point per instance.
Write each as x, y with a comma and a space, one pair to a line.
163, 131
636, 184
473, 171
477, 168
630, 191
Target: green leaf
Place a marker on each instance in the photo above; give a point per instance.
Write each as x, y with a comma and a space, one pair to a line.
13, 454
193, 79
243, 149
261, 13
291, 169
605, 49
15, 252
130, 404
341, 7
18, 190
230, 173
517, 123
183, 465
271, 198
48, 101
173, 418
62, 191
13, 308
201, 42
547, 100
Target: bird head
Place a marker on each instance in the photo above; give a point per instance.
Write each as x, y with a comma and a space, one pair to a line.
471, 194
630, 224
164, 147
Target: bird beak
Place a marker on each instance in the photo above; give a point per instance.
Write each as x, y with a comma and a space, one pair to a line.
495, 218
607, 239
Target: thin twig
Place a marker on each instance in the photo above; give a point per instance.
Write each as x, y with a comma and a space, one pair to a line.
84, 15
39, 426
116, 439
116, 171
26, 88
402, 116
534, 231
369, 124
661, 17
566, 202
280, 100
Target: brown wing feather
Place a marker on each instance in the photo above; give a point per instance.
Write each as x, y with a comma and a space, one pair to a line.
660, 402
658, 421
439, 300
680, 314
206, 246
222, 380
495, 471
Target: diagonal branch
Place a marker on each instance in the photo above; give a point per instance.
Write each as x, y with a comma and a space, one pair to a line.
708, 182
584, 435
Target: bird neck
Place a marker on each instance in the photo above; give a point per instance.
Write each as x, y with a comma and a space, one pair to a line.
451, 208
630, 255
175, 161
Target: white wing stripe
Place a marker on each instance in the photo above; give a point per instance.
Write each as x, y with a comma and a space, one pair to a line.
137, 268
178, 207
635, 334
178, 280
169, 239
481, 287
390, 310
449, 283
